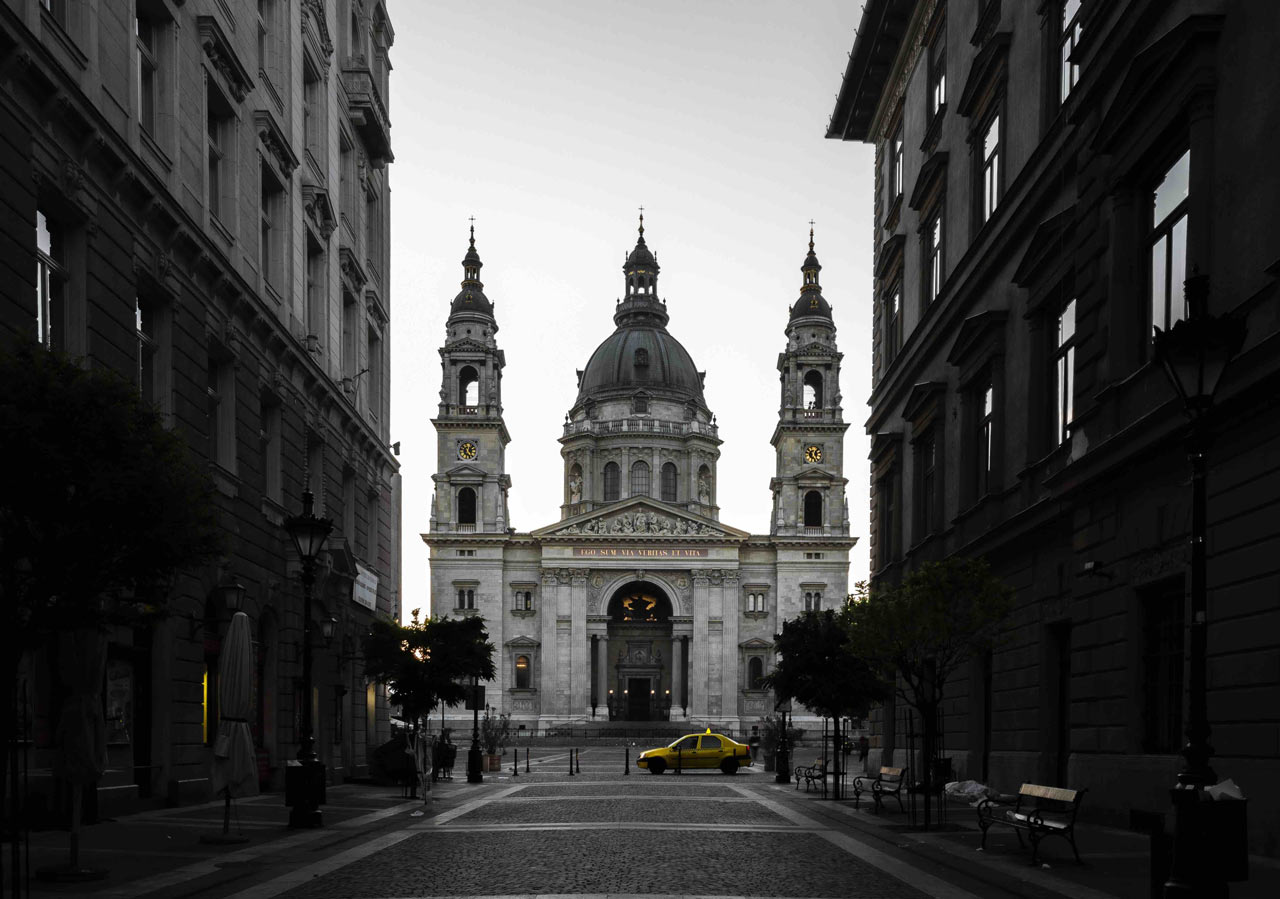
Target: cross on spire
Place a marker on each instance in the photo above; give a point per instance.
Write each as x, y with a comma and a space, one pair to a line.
642, 221
472, 220
810, 235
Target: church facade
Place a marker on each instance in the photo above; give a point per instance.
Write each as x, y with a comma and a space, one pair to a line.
636, 603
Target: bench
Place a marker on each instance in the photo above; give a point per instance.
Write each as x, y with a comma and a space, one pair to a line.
1040, 811
813, 775
889, 782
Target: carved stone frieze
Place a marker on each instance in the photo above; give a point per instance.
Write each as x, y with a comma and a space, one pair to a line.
642, 522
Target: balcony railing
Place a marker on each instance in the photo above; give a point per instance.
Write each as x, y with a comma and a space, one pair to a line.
469, 528
811, 532
640, 426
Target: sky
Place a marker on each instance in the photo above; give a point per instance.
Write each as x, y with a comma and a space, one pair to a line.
552, 123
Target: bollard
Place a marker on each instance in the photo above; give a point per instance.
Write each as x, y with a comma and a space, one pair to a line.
526, 760
515, 761
571, 763
579, 757
626, 761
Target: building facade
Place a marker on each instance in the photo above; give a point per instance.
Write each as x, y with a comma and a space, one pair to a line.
1047, 177
637, 603
195, 194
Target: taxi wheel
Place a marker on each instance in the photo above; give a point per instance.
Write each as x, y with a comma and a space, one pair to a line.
657, 766
729, 766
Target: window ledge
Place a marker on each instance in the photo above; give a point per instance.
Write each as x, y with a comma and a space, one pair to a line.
224, 481
272, 511
522, 691
466, 613
222, 229
755, 614
53, 28
154, 152
934, 131
524, 613
894, 214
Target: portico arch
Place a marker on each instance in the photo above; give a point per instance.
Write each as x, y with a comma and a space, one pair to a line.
639, 652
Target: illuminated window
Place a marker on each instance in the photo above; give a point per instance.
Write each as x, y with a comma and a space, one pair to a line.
1068, 40
523, 673
1064, 361
990, 174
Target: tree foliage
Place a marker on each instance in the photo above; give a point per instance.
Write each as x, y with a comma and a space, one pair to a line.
429, 662
921, 631
820, 667
98, 501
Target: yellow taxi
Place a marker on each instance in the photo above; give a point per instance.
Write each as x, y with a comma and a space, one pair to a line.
706, 750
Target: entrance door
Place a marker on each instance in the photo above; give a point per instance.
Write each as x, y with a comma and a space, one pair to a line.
637, 699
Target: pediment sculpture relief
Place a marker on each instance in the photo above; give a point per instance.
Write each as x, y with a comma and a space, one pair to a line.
643, 522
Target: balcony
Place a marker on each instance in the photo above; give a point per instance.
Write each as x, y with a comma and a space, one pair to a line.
368, 112
465, 528
641, 426
824, 416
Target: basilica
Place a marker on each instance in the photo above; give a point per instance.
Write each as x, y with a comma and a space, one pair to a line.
637, 603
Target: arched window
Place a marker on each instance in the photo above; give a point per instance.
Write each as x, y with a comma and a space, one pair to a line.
755, 673
813, 509
466, 506
640, 403
640, 479
612, 482
812, 390
468, 386
522, 673
669, 476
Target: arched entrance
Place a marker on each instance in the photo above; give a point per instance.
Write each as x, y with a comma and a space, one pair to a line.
639, 635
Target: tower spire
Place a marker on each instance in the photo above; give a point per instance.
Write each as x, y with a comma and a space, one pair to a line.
641, 225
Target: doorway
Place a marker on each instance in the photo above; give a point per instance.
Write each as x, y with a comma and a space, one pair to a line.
638, 699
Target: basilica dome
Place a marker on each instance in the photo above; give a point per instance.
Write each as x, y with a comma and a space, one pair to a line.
634, 357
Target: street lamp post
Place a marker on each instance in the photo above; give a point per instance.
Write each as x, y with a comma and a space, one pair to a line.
1194, 353
304, 795
782, 754
474, 776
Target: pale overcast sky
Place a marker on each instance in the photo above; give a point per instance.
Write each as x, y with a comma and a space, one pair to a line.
551, 122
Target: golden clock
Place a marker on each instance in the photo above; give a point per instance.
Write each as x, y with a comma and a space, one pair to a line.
466, 450
813, 453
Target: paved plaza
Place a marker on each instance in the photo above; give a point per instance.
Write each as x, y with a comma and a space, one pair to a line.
598, 833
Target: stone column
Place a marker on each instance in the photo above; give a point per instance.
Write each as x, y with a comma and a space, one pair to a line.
579, 661
602, 675
677, 674
548, 674
698, 648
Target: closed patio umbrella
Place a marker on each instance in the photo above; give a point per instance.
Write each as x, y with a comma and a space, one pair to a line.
235, 764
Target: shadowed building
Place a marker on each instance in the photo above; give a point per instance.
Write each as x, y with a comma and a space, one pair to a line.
1047, 176
194, 194
638, 603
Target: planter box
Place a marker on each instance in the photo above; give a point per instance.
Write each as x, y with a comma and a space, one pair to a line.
492, 762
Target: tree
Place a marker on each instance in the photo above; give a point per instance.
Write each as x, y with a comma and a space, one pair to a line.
820, 668
920, 632
100, 506
429, 662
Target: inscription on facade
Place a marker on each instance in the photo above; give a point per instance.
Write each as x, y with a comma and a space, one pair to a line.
639, 552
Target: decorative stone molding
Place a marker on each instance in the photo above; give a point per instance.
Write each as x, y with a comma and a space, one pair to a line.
642, 522
223, 58
275, 142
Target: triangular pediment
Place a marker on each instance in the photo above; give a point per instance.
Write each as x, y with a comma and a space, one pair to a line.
817, 475
639, 517
466, 344
466, 473
755, 643
522, 643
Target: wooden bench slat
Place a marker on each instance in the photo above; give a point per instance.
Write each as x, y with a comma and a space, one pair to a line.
1058, 794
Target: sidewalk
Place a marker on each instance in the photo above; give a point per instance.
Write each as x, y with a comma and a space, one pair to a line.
160, 852
1116, 862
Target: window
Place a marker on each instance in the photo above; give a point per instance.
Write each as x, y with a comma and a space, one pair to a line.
938, 71
640, 479
373, 368
669, 479
466, 598
892, 322
145, 323
523, 600
347, 179
612, 486
58, 9
1064, 364
815, 555
812, 390
989, 174
523, 673
467, 506
468, 386
372, 228
373, 539
813, 509
887, 509
313, 111
350, 327
1168, 243
317, 292
271, 448
146, 33
755, 601
272, 228
813, 601
221, 411
314, 475
1163, 652
933, 258
927, 480
640, 404
50, 283
895, 165
466, 553
985, 433
710, 743
755, 673
219, 143
1068, 40
642, 359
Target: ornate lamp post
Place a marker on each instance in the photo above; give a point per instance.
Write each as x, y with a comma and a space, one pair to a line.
305, 794
474, 775
1195, 353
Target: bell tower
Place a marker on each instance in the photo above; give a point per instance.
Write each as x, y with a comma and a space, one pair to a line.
809, 483
471, 482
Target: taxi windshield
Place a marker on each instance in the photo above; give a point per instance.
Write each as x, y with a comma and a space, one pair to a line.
687, 744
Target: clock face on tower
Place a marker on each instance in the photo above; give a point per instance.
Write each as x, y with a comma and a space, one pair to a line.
813, 453
466, 450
